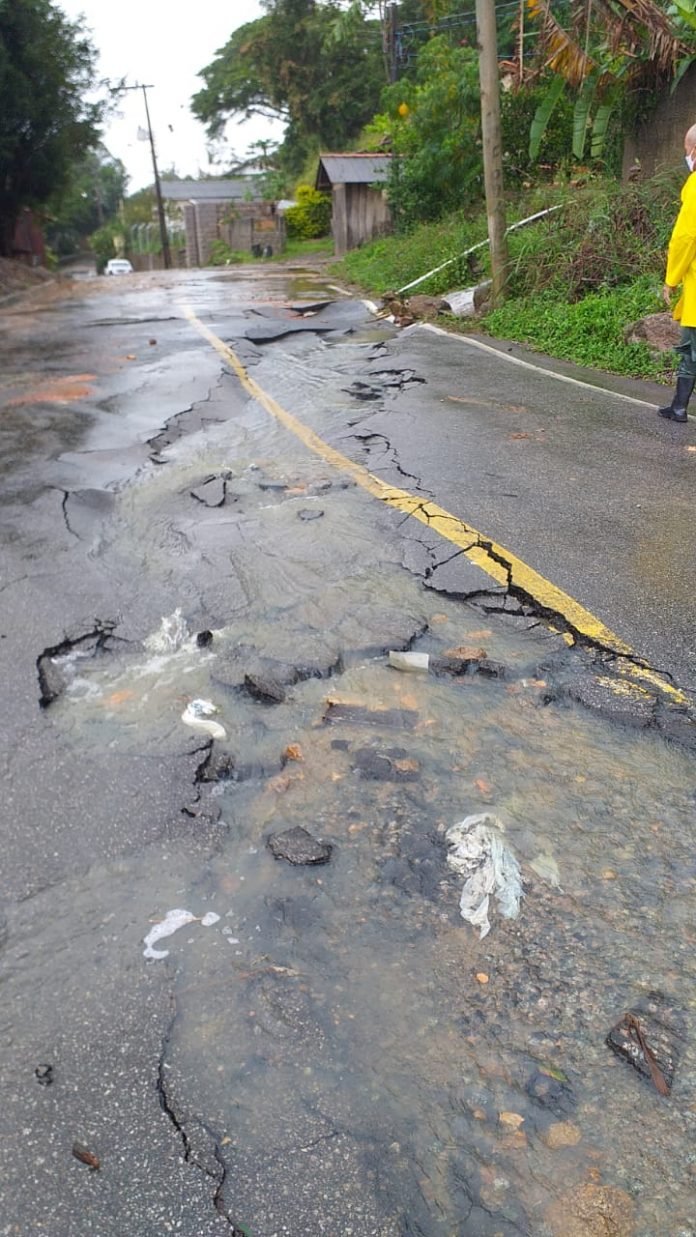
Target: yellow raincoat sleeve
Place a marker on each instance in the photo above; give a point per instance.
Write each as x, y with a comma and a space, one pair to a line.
681, 256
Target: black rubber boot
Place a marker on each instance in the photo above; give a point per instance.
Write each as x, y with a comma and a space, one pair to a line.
676, 411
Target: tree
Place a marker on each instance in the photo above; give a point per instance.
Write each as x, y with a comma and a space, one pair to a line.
605, 53
92, 195
310, 63
46, 69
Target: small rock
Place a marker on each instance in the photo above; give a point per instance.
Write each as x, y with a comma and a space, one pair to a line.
298, 846
152, 342
426, 306
264, 688
513, 1120
292, 752
44, 1075
482, 977
204, 639
561, 1134
659, 331
309, 513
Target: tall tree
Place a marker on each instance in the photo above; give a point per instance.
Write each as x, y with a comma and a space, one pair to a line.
46, 69
311, 63
92, 195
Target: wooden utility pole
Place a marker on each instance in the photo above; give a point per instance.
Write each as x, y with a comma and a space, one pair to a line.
164, 237
166, 252
492, 144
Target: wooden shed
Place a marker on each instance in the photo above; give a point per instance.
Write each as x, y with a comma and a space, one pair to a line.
360, 208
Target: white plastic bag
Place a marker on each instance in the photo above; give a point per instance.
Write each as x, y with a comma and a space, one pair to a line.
480, 854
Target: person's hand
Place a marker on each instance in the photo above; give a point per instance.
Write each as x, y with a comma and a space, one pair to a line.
667, 295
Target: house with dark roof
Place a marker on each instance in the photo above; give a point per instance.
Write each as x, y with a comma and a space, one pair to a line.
360, 210
232, 210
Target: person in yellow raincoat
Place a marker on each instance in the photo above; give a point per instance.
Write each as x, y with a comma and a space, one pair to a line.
681, 269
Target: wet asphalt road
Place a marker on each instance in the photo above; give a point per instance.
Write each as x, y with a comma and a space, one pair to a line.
121, 429
593, 491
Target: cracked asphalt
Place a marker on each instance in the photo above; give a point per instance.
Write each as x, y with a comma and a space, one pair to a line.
328, 1048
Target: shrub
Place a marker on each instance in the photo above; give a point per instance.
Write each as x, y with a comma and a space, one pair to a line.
222, 255
311, 217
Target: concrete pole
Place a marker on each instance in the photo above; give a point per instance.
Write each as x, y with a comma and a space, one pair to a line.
492, 144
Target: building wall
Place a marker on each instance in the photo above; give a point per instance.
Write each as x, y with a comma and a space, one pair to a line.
240, 224
659, 143
359, 214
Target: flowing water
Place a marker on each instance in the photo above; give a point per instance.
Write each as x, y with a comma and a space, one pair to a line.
345, 1054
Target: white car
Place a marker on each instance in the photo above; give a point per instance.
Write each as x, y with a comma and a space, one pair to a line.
118, 266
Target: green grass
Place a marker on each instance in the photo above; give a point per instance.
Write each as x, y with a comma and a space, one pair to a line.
577, 278
304, 248
590, 331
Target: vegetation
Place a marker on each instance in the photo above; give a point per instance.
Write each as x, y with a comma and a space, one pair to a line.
92, 194
310, 63
311, 217
46, 70
577, 278
221, 254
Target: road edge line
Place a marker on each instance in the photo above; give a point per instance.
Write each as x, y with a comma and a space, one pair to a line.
514, 360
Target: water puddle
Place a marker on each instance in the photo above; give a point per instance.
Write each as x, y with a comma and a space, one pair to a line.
343, 1021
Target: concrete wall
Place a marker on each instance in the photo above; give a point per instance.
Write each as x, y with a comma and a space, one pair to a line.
359, 214
659, 143
239, 224
155, 261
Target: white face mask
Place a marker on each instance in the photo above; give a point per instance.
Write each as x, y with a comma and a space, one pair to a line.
690, 161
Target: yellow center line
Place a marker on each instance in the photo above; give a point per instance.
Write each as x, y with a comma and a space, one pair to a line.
480, 550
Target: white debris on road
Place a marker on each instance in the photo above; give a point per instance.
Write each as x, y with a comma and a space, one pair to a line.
480, 854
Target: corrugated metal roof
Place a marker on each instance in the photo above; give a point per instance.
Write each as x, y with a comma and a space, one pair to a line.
353, 169
210, 190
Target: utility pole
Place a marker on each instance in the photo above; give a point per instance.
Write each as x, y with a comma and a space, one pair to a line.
492, 144
392, 18
164, 238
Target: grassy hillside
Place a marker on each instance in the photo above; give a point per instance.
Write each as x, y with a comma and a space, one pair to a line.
577, 278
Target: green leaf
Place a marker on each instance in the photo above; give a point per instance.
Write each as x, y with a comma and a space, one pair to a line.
581, 115
680, 70
543, 115
600, 127
552, 1072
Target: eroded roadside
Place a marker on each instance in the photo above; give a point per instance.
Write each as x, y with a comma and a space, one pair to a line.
339, 1050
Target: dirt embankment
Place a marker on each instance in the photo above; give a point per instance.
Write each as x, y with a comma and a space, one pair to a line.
16, 277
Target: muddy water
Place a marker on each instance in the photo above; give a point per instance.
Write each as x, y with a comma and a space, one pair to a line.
346, 1055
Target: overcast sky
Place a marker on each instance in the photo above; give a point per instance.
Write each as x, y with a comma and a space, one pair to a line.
166, 44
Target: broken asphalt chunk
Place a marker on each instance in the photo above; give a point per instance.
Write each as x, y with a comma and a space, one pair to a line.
299, 847
649, 1044
44, 1075
358, 715
392, 765
211, 493
264, 688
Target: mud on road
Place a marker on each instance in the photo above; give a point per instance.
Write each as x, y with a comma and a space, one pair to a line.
327, 1046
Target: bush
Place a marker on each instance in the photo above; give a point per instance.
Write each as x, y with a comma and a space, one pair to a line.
222, 255
590, 331
311, 217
